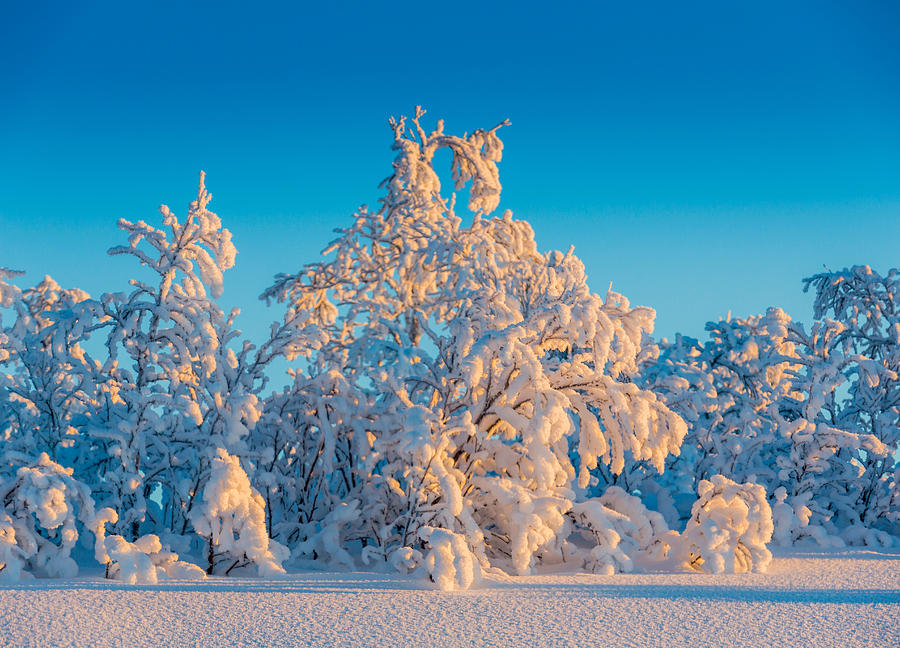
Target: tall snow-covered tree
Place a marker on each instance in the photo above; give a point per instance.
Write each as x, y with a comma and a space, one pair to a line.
480, 363
175, 388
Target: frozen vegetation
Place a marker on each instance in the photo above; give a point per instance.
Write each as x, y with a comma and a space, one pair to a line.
462, 409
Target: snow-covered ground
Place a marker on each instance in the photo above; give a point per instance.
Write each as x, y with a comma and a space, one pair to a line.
846, 598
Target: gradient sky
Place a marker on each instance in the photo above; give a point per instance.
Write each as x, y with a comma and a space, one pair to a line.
704, 157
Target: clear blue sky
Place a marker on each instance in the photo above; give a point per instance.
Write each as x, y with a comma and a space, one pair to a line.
703, 157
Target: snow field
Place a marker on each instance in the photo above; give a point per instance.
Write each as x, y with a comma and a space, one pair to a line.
847, 598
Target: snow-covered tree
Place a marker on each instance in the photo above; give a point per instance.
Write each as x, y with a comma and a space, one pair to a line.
480, 365
174, 389
9, 380
866, 304
762, 398
820, 469
308, 441
728, 390
48, 387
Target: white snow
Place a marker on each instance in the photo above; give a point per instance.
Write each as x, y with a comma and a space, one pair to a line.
842, 598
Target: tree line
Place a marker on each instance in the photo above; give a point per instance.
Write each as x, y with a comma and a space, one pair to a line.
459, 402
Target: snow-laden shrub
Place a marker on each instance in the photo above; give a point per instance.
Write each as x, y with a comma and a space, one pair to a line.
623, 528
729, 528
145, 561
606, 556
231, 518
791, 522
12, 558
405, 559
861, 535
142, 561
326, 542
645, 531
532, 521
449, 562
130, 562
44, 505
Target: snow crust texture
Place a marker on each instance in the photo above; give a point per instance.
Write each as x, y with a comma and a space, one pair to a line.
842, 599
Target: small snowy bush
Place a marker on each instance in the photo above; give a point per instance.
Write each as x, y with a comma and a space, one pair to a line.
623, 528
791, 522
12, 558
645, 531
142, 561
44, 505
327, 542
729, 528
606, 556
231, 518
450, 562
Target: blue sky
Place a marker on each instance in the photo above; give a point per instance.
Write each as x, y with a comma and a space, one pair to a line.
704, 157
